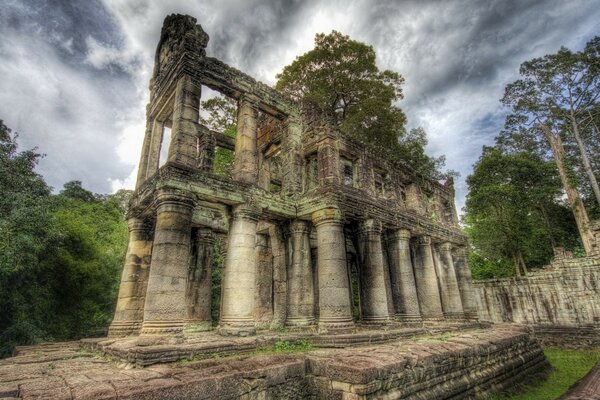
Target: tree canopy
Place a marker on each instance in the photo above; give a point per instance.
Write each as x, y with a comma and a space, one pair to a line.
341, 76
60, 255
547, 153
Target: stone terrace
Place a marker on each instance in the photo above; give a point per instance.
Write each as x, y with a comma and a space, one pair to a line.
467, 364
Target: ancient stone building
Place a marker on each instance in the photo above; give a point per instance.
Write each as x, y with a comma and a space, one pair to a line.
317, 224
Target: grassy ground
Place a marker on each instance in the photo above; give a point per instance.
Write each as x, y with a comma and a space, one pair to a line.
569, 367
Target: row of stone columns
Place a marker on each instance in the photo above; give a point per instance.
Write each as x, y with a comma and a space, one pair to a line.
427, 284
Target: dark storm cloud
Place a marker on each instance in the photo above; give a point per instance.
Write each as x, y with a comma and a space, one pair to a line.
78, 70
55, 98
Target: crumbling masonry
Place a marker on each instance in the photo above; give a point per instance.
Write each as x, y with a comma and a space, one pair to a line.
306, 210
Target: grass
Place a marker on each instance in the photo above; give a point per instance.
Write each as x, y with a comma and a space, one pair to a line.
569, 367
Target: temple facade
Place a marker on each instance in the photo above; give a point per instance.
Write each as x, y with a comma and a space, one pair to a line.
317, 225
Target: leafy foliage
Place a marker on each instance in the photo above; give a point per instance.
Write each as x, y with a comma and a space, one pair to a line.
60, 256
512, 213
341, 76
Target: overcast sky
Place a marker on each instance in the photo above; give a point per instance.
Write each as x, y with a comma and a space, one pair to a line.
74, 74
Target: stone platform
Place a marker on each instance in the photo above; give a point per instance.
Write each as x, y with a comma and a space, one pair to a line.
445, 365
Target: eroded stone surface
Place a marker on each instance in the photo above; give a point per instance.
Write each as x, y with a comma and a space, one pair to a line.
452, 365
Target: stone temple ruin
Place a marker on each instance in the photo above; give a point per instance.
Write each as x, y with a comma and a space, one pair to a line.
358, 257
304, 208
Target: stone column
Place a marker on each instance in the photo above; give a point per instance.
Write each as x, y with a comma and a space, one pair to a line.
292, 159
154, 150
165, 309
402, 276
465, 283
143, 165
373, 292
129, 313
199, 282
263, 295
451, 302
245, 163
426, 280
279, 277
335, 310
239, 275
184, 140
300, 280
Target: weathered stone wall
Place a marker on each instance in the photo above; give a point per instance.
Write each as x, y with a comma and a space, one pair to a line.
560, 300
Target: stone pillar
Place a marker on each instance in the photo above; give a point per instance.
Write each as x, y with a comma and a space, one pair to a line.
129, 313
184, 140
143, 166
154, 150
335, 309
245, 163
450, 294
465, 283
300, 280
426, 280
279, 277
328, 164
239, 275
404, 288
199, 282
165, 309
373, 292
292, 159
263, 295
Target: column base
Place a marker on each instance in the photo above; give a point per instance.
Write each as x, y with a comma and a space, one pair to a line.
375, 320
197, 326
472, 316
299, 322
433, 318
237, 328
409, 318
335, 326
119, 329
162, 328
454, 316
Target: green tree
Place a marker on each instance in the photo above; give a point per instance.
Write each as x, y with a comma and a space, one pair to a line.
60, 256
511, 212
341, 76
553, 103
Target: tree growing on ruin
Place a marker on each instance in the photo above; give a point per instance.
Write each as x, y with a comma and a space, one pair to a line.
557, 99
341, 76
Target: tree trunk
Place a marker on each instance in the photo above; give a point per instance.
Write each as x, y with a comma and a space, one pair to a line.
579, 212
586, 161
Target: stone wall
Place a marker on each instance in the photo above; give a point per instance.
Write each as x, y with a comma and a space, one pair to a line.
561, 302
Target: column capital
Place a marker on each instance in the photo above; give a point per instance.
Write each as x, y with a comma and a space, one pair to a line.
175, 198
139, 224
205, 235
424, 240
445, 246
327, 215
299, 226
401, 234
369, 226
246, 211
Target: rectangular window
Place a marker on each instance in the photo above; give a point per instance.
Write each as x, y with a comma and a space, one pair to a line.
164, 147
348, 173
223, 162
380, 183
